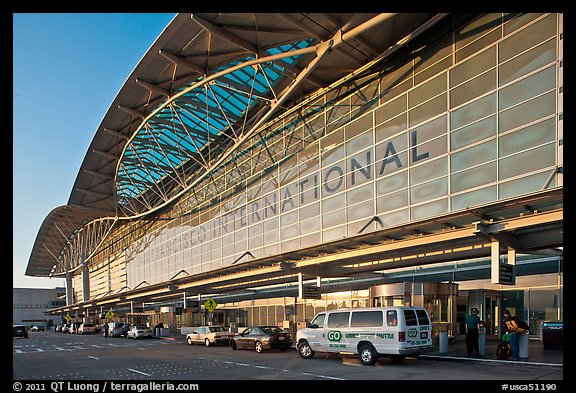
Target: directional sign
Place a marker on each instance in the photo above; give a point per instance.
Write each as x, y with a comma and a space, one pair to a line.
210, 304
110, 314
68, 318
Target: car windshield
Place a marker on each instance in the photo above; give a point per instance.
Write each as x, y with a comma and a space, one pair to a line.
271, 329
139, 327
214, 329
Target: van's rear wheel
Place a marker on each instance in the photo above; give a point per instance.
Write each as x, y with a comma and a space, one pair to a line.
305, 350
367, 355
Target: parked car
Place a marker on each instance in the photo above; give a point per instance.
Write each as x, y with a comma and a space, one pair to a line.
87, 328
117, 329
209, 335
139, 331
260, 338
19, 331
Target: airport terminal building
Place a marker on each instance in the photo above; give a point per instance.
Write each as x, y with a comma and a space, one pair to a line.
284, 164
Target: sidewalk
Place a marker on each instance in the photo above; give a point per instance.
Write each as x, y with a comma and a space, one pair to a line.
537, 355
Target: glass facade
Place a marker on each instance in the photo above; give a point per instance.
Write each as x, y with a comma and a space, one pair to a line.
456, 119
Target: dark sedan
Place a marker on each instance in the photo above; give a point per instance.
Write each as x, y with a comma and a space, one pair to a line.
19, 331
260, 338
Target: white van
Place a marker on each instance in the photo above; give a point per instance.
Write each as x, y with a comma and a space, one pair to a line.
368, 332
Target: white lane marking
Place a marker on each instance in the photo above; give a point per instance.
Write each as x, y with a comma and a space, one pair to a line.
63, 349
324, 376
269, 368
139, 372
39, 349
93, 357
18, 351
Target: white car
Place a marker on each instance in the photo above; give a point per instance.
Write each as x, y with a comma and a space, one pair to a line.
209, 335
139, 331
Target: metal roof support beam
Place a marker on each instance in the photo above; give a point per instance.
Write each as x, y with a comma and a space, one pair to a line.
102, 175
131, 111
153, 88
178, 60
219, 31
93, 193
115, 133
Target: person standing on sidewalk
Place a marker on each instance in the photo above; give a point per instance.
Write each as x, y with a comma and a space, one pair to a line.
514, 328
472, 331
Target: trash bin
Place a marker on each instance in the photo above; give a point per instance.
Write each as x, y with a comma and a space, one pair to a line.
552, 334
443, 342
482, 343
523, 342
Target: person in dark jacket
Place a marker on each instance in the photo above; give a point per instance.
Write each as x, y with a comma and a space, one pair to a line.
472, 331
514, 331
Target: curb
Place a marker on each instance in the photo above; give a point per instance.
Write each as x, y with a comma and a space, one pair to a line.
517, 362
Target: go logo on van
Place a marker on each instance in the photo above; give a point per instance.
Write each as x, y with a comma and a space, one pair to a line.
334, 335
412, 332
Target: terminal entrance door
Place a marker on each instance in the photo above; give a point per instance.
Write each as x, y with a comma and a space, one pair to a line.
492, 314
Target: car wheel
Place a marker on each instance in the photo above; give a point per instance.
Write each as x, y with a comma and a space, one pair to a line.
207, 342
305, 350
189, 341
233, 345
259, 347
367, 355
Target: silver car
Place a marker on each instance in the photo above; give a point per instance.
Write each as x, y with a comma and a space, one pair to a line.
209, 335
139, 331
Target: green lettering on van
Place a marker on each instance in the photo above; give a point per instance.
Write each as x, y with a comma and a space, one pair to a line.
334, 335
385, 335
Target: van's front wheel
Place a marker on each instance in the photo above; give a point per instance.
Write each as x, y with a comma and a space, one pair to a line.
367, 355
305, 350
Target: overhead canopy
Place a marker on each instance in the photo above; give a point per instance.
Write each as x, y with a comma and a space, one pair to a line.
156, 130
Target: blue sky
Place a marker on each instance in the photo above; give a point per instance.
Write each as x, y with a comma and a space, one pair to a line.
68, 68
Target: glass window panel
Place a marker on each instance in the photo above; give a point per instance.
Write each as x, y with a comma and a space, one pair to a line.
432, 52
430, 190
362, 226
396, 82
330, 156
394, 154
526, 88
310, 210
334, 233
391, 109
333, 178
473, 156
430, 209
271, 237
476, 65
430, 170
360, 194
289, 218
428, 131
308, 158
335, 218
524, 185
358, 126
442, 65
311, 225
474, 177
255, 242
271, 225
361, 210
392, 201
478, 45
392, 183
359, 143
473, 133
428, 150
334, 203
527, 62
271, 249
428, 110
359, 168
531, 160
473, 88
427, 90
289, 231
310, 240
527, 38
527, 137
290, 245
514, 21
395, 218
391, 127
527, 112
477, 28
473, 111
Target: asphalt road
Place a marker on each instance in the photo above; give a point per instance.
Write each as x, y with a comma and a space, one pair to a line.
49, 356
